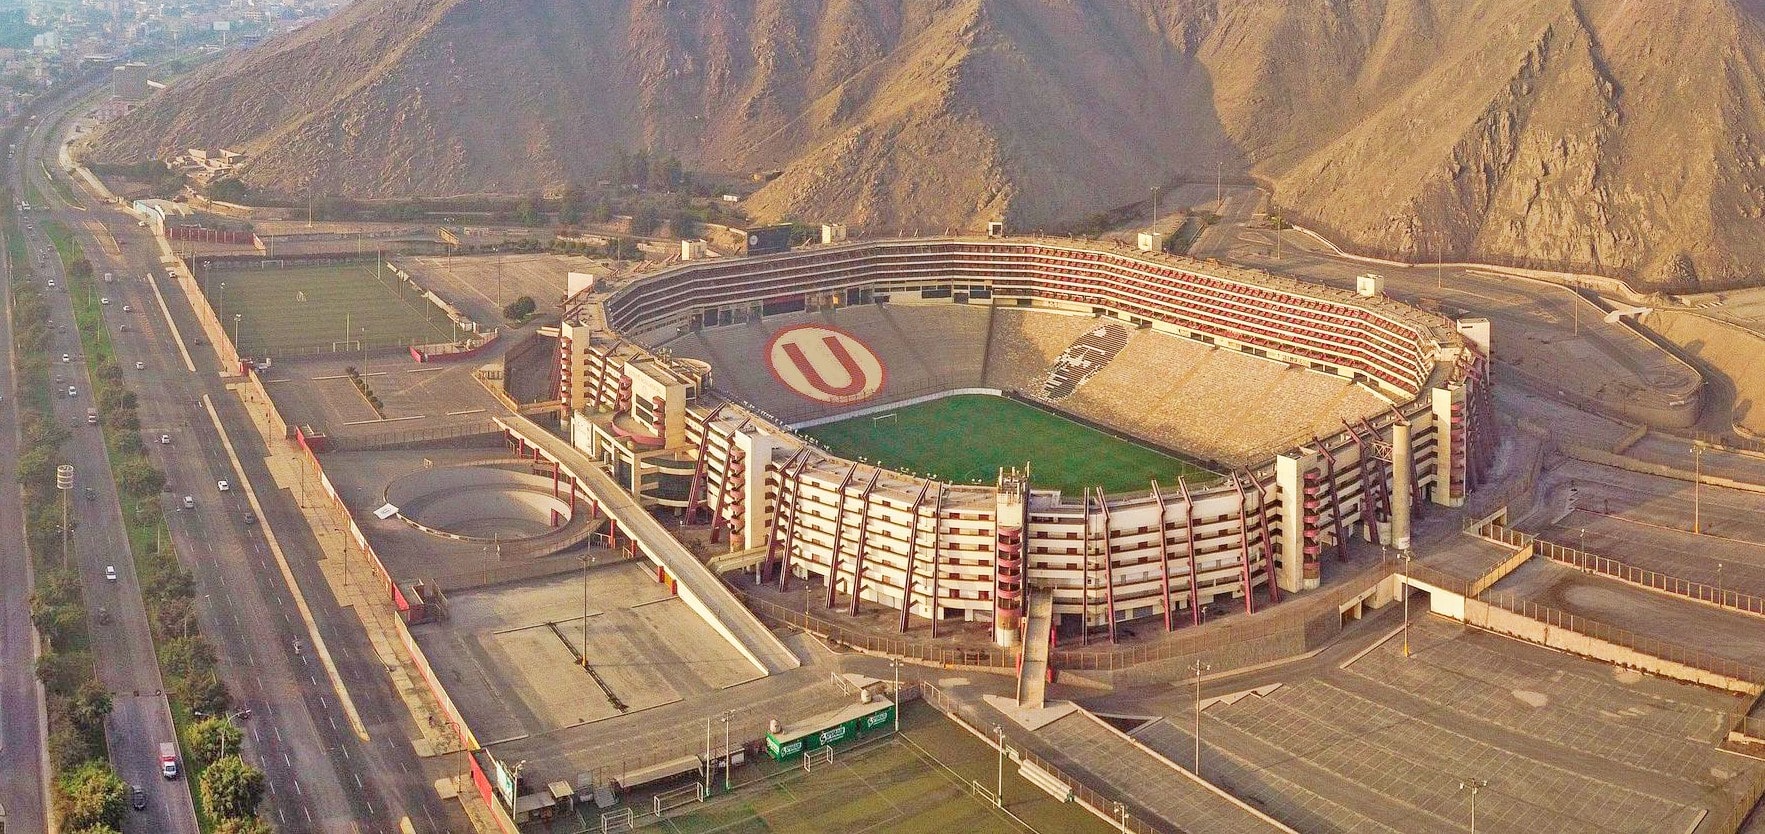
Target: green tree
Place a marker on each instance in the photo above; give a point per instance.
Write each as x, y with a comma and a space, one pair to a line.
529, 211
89, 707
645, 221
232, 788
97, 829
242, 825
203, 692
683, 225
90, 795
212, 738
570, 206
520, 308
227, 190
175, 617
186, 656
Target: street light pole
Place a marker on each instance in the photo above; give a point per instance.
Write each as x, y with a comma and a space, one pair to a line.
586, 562
1121, 812
896, 664
1406, 603
999, 787
1697, 488
1199, 668
727, 714
1473, 785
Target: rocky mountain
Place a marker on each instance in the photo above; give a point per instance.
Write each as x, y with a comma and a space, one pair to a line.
1607, 135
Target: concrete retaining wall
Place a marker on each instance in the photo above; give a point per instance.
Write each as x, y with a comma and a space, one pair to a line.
1728, 352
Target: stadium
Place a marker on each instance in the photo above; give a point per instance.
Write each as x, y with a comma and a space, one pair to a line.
956, 429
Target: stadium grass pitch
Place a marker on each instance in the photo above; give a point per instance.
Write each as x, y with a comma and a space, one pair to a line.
968, 437
302, 310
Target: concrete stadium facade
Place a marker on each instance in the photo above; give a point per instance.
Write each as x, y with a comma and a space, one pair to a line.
937, 550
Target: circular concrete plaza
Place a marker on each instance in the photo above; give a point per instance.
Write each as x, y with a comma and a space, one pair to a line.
479, 502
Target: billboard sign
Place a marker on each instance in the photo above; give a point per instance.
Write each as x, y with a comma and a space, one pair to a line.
505, 781
768, 240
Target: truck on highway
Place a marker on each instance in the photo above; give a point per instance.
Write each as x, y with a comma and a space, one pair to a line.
91, 416
168, 759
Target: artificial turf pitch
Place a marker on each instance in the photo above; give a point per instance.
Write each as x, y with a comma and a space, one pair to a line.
968, 437
347, 306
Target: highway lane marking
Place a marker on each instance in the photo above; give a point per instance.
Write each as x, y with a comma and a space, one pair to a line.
189, 364
312, 627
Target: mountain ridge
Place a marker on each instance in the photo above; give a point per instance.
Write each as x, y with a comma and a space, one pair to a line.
1596, 135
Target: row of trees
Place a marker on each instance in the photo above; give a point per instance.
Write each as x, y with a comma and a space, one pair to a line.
186, 658
88, 796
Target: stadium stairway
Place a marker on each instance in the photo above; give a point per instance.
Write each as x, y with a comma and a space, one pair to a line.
1032, 672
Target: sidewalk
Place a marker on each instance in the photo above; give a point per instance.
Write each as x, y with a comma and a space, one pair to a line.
356, 585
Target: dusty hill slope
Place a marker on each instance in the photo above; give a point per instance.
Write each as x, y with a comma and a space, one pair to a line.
1614, 135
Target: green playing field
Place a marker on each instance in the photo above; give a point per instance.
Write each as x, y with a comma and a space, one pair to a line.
321, 308
968, 437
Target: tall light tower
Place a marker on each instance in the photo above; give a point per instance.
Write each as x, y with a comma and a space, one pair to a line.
64, 482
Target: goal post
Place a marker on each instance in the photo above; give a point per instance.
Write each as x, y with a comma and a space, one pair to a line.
821, 755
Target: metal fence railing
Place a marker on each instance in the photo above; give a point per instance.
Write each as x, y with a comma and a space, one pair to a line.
1655, 580
1249, 641
1651, 646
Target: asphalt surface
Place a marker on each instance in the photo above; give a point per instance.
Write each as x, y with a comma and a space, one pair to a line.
21, 738
122, 648
322, 775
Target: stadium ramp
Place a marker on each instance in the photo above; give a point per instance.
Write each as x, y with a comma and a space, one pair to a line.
698, 587
1032, 670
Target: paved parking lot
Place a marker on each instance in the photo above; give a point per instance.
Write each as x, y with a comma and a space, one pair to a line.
509, 654
1383, 745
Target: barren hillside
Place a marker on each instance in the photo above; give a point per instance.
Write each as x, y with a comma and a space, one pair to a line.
1612, 135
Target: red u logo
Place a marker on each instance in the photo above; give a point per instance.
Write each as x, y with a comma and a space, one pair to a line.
824, 364
812, 375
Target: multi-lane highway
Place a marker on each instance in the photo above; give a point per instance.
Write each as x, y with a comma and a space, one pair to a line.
323, 774
122, 641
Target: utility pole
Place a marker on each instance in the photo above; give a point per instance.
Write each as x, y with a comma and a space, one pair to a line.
1199, 668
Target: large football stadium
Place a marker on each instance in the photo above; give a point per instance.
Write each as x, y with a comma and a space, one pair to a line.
951, 427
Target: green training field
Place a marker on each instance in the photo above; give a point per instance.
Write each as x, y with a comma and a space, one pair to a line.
969, 437
346, 306
917, 782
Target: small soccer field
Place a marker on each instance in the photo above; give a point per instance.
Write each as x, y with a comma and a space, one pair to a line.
304, 310
968, 437
920, 781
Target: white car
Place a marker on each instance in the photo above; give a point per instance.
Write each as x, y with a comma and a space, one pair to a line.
166, 440
51, 285
66, 357
71, 393
128, 308
140, 366
110, 572
104, 301
222, 486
